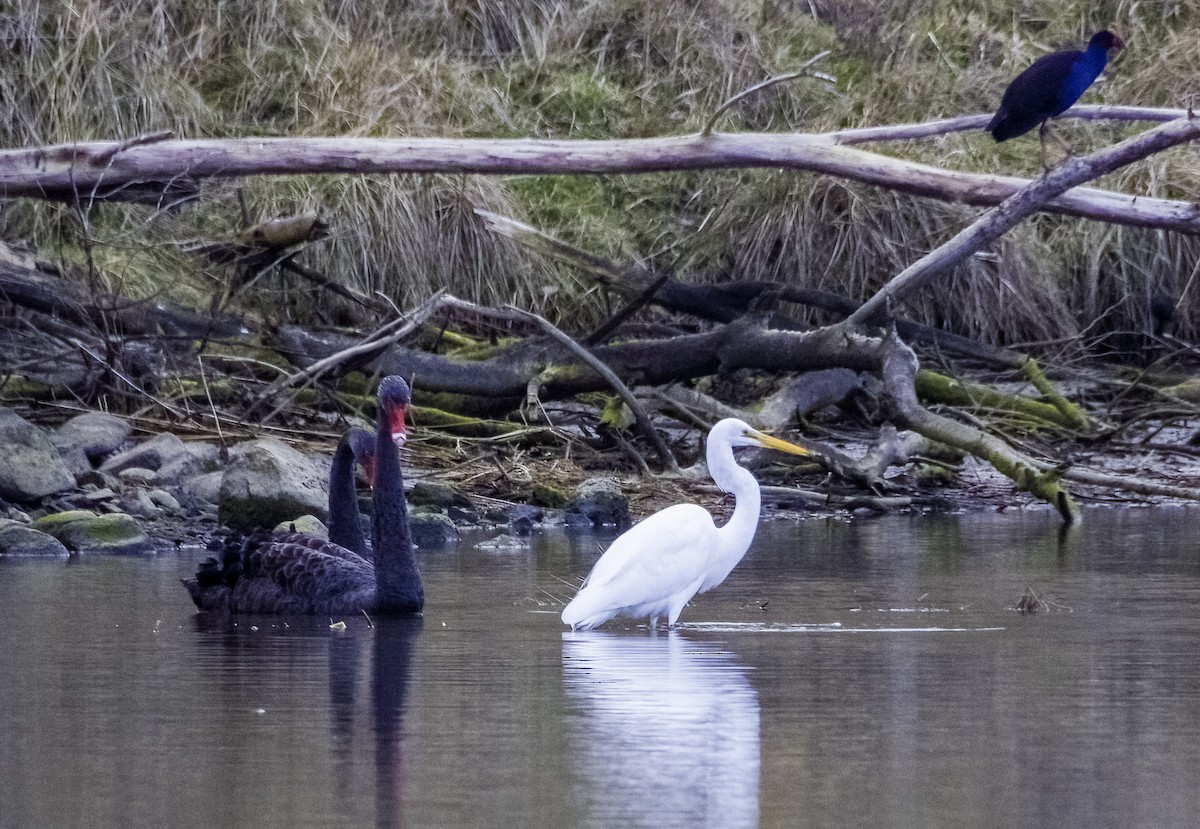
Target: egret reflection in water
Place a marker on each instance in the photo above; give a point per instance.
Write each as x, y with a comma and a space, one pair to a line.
664, 731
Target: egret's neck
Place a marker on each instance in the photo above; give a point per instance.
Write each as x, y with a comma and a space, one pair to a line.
743, 486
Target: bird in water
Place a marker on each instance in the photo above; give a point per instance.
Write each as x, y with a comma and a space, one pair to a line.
266, 573
1049, 87
345, 527
658, 565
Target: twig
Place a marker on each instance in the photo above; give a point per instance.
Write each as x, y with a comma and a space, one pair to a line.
791, 76
632, 307
639, 414
380, 339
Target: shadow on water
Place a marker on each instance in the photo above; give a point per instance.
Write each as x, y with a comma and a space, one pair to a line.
667, 727
388, 644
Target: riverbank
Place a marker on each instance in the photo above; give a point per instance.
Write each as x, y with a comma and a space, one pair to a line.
92, 483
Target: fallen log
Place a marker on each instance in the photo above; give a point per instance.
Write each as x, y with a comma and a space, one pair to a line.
82, 169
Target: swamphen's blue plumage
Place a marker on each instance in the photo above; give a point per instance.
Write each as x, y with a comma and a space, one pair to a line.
1050, 86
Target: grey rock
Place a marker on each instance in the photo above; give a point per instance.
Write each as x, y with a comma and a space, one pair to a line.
82, 530
138, 503
504, 541
153, 454
598, 502
92, 435
137, 476
76, 461
164, 500
98, 479
203, 490
30, 466
17, 539
268, 482
523, 518
196, 459
432, 530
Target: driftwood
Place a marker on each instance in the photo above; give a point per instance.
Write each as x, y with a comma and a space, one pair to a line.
610, 377
728, 301
899, 370
1029, 199
53, 294
89, 168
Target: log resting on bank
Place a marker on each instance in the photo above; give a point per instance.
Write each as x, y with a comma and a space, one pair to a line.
88, 170
743, 344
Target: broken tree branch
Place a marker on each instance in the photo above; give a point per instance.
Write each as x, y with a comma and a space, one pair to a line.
610, 377
1029, 199
85, 168
899, 375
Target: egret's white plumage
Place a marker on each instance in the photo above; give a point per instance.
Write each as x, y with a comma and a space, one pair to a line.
656, 567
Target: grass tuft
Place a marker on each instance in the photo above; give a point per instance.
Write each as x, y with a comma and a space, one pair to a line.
101, 69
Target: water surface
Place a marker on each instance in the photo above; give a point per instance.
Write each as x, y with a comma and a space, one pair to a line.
849, 672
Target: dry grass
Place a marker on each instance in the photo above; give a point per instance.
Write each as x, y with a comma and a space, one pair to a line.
84, 69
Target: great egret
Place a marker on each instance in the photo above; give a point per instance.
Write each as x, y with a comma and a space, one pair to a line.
656, 567
1050, 86
267, 573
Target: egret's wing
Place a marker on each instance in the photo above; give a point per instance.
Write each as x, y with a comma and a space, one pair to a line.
658, 550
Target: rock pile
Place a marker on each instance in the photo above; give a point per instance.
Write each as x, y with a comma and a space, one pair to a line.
86, 487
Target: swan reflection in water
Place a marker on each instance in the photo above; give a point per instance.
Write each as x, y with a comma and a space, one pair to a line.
665, 731
257, 666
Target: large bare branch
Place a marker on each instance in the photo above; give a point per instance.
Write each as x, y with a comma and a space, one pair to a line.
995, 223
963, 123
93, 168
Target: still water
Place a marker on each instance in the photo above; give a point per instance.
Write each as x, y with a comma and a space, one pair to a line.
869, 672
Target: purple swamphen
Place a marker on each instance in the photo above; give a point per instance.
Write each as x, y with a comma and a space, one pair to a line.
1050, 86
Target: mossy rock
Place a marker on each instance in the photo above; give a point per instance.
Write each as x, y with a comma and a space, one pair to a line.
85, 531
431, 530
598, 502
307, 524
17, 539
438, 495
543, 494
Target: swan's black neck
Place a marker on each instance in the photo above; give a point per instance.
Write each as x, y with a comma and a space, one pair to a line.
398, 587
345, 529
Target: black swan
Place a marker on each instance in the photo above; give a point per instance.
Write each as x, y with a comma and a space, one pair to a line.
265, 573
345, 525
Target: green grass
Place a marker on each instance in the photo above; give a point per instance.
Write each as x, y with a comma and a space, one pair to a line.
92, 69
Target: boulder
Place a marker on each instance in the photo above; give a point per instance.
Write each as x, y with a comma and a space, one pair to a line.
85, 531
152, 454
203, 490
91, 435
437, 494
431, 530
598, 502
30, 466
524, 518
268, 482
196, 459
17, 539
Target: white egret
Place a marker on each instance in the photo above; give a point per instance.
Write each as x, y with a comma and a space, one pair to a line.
655, 567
